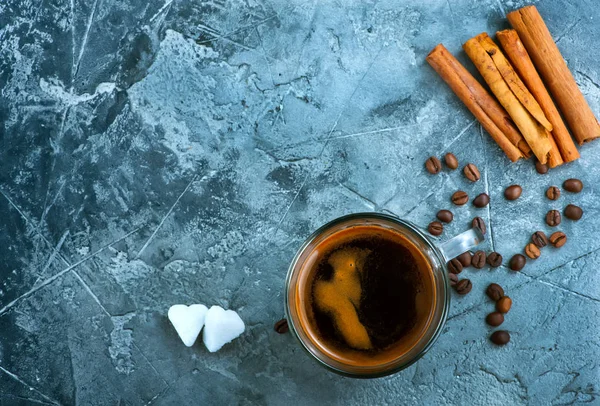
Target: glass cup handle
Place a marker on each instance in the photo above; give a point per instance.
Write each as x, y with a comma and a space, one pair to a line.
461, 243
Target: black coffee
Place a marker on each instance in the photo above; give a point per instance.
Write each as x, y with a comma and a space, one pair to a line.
367, 289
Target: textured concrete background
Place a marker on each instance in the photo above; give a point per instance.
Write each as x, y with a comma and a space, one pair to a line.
154, 153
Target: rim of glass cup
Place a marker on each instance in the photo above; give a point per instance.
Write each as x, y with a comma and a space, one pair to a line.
445, 300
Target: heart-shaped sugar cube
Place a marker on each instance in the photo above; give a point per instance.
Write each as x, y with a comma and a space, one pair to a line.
221, 326
188, 321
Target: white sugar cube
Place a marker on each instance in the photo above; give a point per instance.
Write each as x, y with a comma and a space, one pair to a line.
221, 327
188, 321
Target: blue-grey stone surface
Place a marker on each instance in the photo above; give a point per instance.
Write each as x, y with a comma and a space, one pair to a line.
159, 152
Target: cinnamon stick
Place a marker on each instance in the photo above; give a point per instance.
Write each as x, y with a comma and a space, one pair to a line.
490, 114
513, 81
554, 157
516, 52
520, 90
534, 133
552, 67
492, 108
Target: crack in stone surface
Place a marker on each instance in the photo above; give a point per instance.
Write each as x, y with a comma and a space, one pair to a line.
459, 135
501, 7
53, 255
372, 132
585, 75
166, 6
230, 41
364, 200
85, 39
567, 290
22, 382
90, 292
243, 28
158, 395
64, 271
451, 13
149, 240
567, 31
487, 190
326, 141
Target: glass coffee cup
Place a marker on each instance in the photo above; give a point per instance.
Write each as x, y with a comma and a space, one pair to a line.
368, 294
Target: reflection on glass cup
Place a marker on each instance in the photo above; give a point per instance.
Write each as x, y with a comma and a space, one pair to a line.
368, 294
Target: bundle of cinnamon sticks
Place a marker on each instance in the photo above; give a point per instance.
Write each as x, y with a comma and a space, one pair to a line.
524, 120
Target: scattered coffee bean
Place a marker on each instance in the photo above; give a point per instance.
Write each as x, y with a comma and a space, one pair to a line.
453, 278
558, 239
435, 228
282, 326
539, 239
465, 259
517, 262
494, 259
433, 165
471, 172
500, 337
445, 216
573, 185
532, 251
481, 200
494, 292
553, 218
454, 266
513, 192
573, 212
494, 319
463, 286
479, 223
541, 168
451, 161
478, 260
504, 304
460, 198
553, 193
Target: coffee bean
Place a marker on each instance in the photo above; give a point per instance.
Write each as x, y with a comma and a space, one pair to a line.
465, 259
445, 215
494, 292
471, 172
553, 193
479, 223
504, 304
282, 326
513, 192
451, 161
478, 260
494, 259
453, 278
573, 185
553, 218
481, 200
558, 239
435, 228
517, 262
573, 212
460, 198
454, 266
532, 251
500, 337
433, 165
541, 168
463, 286
494, 319
539, 239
